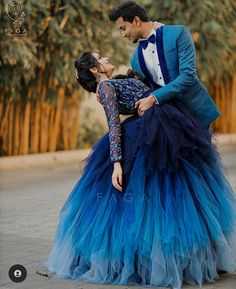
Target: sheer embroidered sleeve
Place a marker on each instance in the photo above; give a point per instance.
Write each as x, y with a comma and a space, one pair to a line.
108, 98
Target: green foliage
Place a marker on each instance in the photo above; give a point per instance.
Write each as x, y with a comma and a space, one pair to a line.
213, 26
57, 31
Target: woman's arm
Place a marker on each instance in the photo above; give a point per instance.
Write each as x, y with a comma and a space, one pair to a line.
107, 96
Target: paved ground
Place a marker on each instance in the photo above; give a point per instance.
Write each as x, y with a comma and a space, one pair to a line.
30, 202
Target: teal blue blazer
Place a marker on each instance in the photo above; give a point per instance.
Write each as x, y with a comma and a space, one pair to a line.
177, 59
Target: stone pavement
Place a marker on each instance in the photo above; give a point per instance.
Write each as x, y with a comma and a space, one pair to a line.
30, 201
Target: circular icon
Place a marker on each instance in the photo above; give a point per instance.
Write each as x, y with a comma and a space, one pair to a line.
17, 273
15, 13
14, 7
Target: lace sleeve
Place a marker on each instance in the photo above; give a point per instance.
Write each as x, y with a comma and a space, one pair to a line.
107, 95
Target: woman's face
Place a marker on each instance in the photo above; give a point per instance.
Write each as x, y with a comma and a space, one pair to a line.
105, 65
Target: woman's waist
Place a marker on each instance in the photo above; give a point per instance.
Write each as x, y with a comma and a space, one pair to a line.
127, 107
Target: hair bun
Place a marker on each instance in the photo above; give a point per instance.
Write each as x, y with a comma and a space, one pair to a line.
82, 71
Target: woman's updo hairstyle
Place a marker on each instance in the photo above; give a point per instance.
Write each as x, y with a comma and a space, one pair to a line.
84, 76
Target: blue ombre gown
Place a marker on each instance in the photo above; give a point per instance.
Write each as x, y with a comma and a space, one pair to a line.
174, 222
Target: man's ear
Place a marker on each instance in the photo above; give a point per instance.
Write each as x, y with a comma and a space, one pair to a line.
137, 21
93, 70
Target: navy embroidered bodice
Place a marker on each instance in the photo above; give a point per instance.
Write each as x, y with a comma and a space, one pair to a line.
118, 96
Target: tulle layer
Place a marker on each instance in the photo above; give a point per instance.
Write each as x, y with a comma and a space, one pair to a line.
174, 220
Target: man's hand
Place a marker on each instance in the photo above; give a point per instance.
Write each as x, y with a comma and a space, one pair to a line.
145, 103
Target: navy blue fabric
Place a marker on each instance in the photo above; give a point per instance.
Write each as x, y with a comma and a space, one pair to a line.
161, 56
151, 39
118, 96
168, 135
174, 221
144, 68
160, 50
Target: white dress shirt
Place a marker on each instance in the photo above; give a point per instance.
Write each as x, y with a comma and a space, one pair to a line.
152, 61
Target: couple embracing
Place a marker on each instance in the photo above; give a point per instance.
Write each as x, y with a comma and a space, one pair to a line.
152, 206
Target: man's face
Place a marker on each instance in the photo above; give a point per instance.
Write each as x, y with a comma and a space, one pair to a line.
129, 30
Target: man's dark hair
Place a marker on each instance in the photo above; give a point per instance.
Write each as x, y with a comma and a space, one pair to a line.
128, 10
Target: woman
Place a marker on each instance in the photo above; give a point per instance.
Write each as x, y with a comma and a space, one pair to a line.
152, 206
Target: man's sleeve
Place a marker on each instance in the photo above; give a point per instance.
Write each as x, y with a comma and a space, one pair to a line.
187, 68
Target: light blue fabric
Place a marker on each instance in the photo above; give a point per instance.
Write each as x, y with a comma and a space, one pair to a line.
184, 83
174, 220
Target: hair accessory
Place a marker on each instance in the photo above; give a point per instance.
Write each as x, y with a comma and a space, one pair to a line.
76, 74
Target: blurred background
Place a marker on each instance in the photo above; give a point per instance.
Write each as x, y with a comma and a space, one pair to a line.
42, 108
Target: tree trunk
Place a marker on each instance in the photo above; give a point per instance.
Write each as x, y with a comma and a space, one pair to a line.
57, 120
224, 95
36, 129
24, 146
16, 140
10, 131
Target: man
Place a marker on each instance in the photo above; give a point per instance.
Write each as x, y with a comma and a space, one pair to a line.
166, 58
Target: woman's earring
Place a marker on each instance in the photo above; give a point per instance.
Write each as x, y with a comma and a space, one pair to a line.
97, 76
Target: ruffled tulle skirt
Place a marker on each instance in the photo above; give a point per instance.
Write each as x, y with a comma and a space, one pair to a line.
174, 220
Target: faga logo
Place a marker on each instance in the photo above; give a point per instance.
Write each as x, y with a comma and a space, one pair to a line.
16, 15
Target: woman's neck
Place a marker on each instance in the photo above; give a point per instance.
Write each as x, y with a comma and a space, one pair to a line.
101, 77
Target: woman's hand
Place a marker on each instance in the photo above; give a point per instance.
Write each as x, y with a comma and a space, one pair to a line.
117, 176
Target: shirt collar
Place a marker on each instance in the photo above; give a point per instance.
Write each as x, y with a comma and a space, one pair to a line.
153, 31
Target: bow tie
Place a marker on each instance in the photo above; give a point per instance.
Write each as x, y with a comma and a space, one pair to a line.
144, 43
